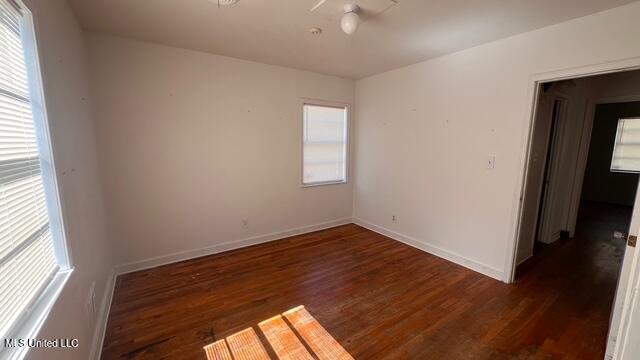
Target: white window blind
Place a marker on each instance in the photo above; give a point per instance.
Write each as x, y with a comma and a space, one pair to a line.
324, 144
626, 150
27, 260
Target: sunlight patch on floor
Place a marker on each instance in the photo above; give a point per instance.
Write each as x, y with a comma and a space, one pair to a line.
295, 334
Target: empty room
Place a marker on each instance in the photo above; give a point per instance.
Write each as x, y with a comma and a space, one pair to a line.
319, 179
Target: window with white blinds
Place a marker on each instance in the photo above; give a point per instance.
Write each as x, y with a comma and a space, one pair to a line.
626, 150
324, 150
27, 256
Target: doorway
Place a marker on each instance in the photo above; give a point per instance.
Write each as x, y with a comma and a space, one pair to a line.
576, 213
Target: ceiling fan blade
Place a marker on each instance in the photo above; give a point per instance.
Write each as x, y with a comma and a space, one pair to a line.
317, 5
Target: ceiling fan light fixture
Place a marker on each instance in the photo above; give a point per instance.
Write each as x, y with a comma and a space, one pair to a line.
350, 20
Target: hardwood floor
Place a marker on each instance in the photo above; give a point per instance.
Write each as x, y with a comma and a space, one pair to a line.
379, 298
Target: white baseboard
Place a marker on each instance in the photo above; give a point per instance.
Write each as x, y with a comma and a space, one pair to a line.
236, 244
105, 306
218, 248
102, 317
434, 250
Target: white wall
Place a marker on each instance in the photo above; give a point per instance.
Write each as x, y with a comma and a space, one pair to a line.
192, 143
424, 133
62, 59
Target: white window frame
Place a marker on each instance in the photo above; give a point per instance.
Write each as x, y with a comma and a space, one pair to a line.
30, 322
347, 165
615, 145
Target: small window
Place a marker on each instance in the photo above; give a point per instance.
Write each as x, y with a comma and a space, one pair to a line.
626, 150
324, 150
32, 253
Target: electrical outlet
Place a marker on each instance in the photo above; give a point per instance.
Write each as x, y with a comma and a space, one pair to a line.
245, 223
394, 218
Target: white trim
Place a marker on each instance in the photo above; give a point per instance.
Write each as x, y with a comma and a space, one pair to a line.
511, 255
46, 148
218, 248
103, 317
434, 250
31, 326
323, 183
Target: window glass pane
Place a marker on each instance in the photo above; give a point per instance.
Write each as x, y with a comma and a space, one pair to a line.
27, 257
23, 277
324, 151
626, 151
13, 71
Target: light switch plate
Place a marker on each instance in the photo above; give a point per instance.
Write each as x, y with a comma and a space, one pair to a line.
491, 162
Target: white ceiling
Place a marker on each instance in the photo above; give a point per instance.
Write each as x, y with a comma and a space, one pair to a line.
276, 31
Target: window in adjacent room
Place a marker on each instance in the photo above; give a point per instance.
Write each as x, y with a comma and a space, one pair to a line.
626, 150
33, 257
324, 137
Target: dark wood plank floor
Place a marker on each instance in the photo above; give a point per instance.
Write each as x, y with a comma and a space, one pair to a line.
379, 298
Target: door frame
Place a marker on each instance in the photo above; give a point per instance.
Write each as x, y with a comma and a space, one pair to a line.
535, 82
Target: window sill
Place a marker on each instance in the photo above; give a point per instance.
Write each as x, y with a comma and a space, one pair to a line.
323, 183
31, 324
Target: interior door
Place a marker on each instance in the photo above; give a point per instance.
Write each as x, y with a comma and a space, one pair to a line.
628, 347
628, 280
548, 231
631, 348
